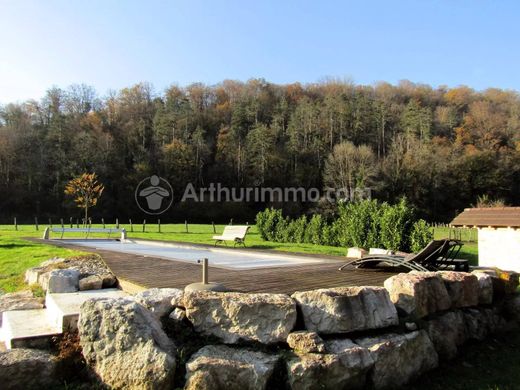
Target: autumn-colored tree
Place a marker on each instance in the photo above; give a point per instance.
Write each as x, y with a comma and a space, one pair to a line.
85, 190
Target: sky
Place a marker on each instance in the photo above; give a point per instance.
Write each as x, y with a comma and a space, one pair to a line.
112, 44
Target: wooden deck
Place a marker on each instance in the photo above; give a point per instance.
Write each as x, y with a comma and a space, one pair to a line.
137, 272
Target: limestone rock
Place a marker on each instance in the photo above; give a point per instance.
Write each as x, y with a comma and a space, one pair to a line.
306, 342
485, 288
32, 275
108, 279
160, 301
463, 288
52, 262
178, 314
267, 318
511, 308
504, 282
418, 294
356, 253
346, 309
221, 367
447, 333
27, 369
399, 358
63, 281
345, 366
92, 282
22, 300
125, 345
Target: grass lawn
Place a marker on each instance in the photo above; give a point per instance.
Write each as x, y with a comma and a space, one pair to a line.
17, 255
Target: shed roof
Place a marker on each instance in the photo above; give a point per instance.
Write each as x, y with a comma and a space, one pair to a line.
489, 217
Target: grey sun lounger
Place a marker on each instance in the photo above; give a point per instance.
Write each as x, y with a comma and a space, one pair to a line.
438, 254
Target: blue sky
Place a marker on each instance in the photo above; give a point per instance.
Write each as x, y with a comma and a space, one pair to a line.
111, 44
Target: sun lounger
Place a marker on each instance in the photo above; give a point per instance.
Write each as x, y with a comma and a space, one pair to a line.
438, 254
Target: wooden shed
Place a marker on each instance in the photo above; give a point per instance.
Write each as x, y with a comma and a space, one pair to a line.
498, 235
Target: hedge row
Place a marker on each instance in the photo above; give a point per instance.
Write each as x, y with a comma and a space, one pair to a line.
365, 224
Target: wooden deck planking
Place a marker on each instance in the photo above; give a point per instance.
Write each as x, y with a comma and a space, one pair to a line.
150, 272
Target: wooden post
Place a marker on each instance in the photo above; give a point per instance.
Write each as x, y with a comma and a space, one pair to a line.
131, 226
15, 224
117, 223
61, 221
103, 222
90, 222
186, 226
36, 223
144, 225
159, 225
77, 223
213, 224
70, 220
231, 222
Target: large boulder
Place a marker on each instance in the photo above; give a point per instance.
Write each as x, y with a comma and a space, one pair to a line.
92, 282
125, 345
485, 288
306, 342
463, 288
216, 367
27, 369
63, 281
504, 282
232, 317
447, 333
344, 366
480, 322
160, 301
418, 294
399, 358
346, 309
512, 308
22, 300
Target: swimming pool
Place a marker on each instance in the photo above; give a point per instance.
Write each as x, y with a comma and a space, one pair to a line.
218, 257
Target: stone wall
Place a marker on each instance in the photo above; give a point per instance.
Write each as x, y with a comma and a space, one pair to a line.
345, 337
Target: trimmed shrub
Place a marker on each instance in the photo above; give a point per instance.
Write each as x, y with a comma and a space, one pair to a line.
420, 235
314, 231
396, 223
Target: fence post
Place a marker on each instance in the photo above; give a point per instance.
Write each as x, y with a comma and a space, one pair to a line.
103, 222
186, 226
15, 224
36, 223
117, 223
131, 226
144, 225
50, 222
61, 221
213, 224
77, 223
231, 222
159, 225
70, 220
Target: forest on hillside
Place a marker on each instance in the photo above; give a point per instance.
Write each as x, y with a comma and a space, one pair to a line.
443, 148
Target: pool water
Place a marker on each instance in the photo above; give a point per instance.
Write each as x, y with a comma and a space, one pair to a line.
233, 258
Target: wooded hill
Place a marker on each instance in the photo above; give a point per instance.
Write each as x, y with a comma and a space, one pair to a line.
440, 147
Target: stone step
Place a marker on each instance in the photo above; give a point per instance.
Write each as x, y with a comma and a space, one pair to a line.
34, 328
63, 309
27, 328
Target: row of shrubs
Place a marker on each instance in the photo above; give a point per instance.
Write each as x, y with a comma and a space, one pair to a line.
365, 224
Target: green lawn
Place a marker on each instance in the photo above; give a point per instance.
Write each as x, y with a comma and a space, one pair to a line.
16, 254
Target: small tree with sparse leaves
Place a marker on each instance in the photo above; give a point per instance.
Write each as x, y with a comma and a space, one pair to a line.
85, 190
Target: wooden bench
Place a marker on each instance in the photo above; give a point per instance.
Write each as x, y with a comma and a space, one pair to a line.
87, 230
237, 234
